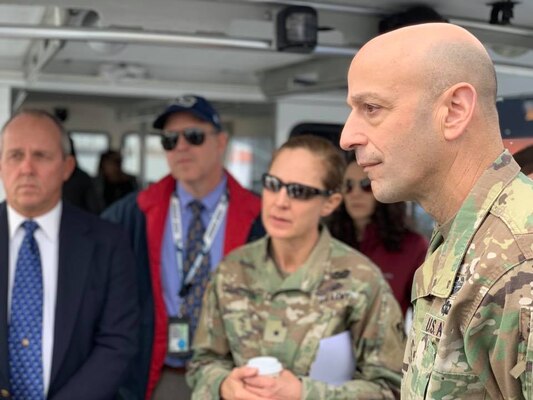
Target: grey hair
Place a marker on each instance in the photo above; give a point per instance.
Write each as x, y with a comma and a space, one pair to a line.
66, 145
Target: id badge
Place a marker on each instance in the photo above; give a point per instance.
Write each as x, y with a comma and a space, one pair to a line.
179, 337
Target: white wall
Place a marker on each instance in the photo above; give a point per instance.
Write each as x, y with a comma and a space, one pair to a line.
291, 111
86, 116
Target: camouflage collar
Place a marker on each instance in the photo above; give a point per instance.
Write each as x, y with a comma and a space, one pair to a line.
307, 277
443, 264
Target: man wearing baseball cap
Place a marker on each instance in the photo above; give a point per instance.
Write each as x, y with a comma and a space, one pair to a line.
181, 227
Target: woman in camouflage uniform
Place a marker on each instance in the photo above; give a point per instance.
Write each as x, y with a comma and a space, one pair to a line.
281, 295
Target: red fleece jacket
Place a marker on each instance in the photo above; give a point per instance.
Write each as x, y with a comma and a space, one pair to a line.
243, 209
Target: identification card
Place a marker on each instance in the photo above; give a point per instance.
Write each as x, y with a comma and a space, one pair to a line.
179, 337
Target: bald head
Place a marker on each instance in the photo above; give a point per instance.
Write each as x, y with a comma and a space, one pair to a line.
439, 55
423, 102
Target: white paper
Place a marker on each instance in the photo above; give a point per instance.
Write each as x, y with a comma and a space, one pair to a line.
334, 362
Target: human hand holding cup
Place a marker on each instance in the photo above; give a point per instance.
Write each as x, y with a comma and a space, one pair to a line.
266, 366
272, 381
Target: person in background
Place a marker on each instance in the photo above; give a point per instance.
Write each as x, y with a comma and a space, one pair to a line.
524, 158
68, 305
79, 189
112, 183
424, 127
380, 231
180, 228
283, 294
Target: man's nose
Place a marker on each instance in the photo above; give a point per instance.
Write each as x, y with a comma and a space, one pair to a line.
27, 164
352, 135
182, 143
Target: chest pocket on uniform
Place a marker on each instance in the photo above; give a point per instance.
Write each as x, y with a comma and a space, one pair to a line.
242, 337
523, 370
438, 384
422, 364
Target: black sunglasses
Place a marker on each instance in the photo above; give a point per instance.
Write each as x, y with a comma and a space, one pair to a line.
364, 185
294, 190
193, 136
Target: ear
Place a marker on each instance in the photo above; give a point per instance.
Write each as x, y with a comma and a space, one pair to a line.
458, 104
69, 164
332, 202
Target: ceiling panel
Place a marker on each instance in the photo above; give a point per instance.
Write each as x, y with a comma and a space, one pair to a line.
15, 14
350, 24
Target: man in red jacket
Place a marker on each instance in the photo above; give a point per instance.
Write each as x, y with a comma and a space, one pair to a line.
190, 219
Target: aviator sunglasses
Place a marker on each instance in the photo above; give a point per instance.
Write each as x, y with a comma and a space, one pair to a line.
193, 136
364, 185
294, 190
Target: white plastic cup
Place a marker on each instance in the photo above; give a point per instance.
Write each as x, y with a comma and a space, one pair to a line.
267, 366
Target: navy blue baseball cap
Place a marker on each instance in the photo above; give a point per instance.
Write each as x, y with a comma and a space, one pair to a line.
195, 105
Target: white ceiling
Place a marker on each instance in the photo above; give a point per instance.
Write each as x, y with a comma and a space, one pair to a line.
156, 70
11, 51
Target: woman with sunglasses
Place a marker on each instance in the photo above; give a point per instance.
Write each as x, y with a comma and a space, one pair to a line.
380, 231
294, 292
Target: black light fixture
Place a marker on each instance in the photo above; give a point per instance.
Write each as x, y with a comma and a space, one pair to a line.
297, 29
61, 113
419, 14
502, 12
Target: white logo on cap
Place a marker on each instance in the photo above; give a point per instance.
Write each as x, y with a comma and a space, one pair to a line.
185, 101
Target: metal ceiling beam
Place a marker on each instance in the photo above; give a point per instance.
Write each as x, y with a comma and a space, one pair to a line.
337, 7
41, 52
149, 37
91, 85
126, 36
491, 33
498, 34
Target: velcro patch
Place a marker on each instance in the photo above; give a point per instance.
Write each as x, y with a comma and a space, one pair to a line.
433, 325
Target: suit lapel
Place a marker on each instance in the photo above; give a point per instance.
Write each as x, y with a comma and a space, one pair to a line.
75, 253
4, 276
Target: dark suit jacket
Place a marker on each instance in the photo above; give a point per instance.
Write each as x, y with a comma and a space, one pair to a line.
80, 191
96, 317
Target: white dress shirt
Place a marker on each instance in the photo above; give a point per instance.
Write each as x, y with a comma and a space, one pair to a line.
47, 237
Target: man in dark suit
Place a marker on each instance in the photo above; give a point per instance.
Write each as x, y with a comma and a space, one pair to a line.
83, 327
79, 189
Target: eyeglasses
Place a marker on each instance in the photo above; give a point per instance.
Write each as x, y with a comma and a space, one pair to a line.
350, 184
193, 136
294, 190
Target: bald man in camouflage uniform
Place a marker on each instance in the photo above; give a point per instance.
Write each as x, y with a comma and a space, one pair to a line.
425, 127
250, 309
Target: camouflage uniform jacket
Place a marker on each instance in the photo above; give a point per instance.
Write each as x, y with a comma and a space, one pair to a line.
250, 310
473, 296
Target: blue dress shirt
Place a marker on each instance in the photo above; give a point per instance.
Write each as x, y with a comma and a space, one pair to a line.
171, 276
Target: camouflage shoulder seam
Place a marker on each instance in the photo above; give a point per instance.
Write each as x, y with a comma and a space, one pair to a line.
514, 206
245, 251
